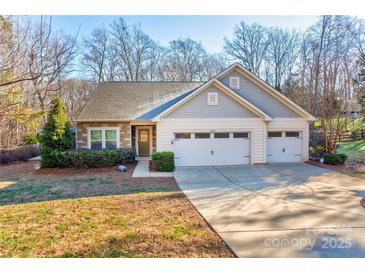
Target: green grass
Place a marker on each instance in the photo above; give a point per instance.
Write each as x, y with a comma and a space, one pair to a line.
30, 190
352, 124
104, 215
354, 149
355, 124
355, 173
134, 225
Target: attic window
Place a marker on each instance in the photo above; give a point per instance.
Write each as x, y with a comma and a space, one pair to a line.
212, 98
234, 82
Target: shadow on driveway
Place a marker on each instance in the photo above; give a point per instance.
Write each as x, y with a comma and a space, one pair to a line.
251, 206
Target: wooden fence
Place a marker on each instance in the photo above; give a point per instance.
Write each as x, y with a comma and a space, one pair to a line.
352, 135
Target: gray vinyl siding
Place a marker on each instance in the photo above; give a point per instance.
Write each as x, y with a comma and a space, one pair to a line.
197, 107
260, 98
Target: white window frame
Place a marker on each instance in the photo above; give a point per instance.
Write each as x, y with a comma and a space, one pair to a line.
229, 135
232, 80
102, 135
299, 131
205, 132
209, 96
182, 132
248, 135
281, 135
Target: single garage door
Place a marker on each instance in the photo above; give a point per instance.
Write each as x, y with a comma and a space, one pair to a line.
205, 148
284, 146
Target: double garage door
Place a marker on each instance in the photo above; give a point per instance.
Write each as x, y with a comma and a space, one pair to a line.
233, 148
211, 148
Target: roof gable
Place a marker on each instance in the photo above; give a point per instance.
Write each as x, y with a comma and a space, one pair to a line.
265, 88
261, 99
217, 84
198, 107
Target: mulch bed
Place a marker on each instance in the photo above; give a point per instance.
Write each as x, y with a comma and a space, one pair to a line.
21, 169
25, 170
151, 167
355, 165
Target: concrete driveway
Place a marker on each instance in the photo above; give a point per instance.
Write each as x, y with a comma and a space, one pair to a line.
280, 210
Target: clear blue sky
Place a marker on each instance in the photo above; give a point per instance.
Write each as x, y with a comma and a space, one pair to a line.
210, 30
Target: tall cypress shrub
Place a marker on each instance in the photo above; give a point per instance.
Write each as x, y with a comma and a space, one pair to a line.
56, 136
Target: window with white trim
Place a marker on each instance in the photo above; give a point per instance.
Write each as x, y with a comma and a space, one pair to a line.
240, 135
183, 135
292, 134
234, 82
202, 135
220, 135
274, 134
103, 138
110, 139
212, 98
96, 140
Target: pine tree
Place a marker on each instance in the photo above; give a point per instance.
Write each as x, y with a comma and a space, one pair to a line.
56, 136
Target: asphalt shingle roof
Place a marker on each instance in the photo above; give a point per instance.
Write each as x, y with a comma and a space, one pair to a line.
133, 100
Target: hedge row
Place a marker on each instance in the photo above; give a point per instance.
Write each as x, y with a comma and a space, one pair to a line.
89, 158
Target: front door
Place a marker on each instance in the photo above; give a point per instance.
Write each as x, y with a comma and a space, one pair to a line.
143, 142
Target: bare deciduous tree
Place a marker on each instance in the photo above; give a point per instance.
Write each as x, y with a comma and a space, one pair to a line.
185, 59
282, 53
249, 46
332, 61
133, 48
75, 93
51, 56
95, 57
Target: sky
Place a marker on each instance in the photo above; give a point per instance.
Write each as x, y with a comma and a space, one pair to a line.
209, 30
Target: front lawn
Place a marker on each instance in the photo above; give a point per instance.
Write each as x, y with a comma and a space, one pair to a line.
354, 150
355, 164
98, 213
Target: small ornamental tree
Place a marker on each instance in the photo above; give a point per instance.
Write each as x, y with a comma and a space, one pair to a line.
56, 136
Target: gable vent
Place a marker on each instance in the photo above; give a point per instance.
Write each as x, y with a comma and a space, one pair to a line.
234, 82
212, 98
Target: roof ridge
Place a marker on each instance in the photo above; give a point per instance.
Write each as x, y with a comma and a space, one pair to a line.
133, 82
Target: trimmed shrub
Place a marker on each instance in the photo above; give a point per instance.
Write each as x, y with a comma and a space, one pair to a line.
332, 159
51, 157
343, 157
163, 161
97, 158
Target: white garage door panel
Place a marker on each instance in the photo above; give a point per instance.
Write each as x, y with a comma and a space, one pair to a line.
284, 149
201, 152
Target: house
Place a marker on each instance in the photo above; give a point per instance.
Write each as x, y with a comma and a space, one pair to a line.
233, 119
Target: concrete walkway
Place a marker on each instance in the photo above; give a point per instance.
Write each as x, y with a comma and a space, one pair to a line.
142, 170
283, 210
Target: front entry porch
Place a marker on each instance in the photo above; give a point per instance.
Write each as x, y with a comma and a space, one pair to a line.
143, 140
